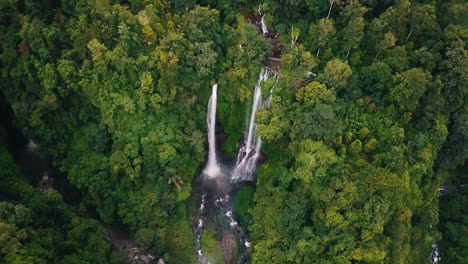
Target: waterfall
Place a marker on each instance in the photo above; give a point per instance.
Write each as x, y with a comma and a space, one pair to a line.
264, 28
212, 169
250, 152
214, 184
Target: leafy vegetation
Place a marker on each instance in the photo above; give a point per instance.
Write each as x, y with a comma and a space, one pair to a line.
40, 227
211, 248
454, 244
366, 121
242, 204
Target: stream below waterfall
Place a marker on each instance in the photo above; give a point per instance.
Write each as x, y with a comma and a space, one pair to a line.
216, 185
215, 212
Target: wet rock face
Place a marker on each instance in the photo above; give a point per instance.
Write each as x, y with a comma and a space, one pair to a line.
229, 246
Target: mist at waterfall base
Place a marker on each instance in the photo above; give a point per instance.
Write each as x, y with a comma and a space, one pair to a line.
214, 175
218, 181
249, 152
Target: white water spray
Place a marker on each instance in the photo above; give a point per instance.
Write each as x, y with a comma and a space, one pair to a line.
212, 169
435, 254
264, 27
31, 146
198, 230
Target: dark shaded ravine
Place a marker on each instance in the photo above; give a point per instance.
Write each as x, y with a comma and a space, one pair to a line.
39, 171
122, 242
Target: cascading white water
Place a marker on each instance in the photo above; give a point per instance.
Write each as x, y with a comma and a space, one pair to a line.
435, 254
250, 151
244, 170
198, 230
212, 168
224, 205
262, 22
264, 28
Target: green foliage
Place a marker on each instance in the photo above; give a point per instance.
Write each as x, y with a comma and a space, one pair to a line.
337, 73
123, 82
321, 34
39, 227
356, 146
178, 240
11, 181
410, 86
211, 248
315, 93
369, 192
312, 160
365, 120
453, 152
242, 204
454, 244
272, 122
119, 258
144, 237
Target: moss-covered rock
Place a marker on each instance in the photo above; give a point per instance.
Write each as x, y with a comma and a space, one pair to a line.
210, 246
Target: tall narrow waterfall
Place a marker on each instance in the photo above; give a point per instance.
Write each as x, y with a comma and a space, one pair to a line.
212, 168
250, 151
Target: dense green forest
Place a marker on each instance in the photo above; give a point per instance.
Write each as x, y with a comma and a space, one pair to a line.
367, 120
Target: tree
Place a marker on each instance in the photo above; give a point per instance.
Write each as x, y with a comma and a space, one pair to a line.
315, 93
10, 241
337, 73
376, 79
115, 93
370, 145
293, 216
18, 215
201, 24
331, 2
321, 34
410, 87
387, 42
273, 122
205, 58
144, 237
319, 122
312, 160
453, 225
455, 74
422, 21
454, 152
354, 30
356, 146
